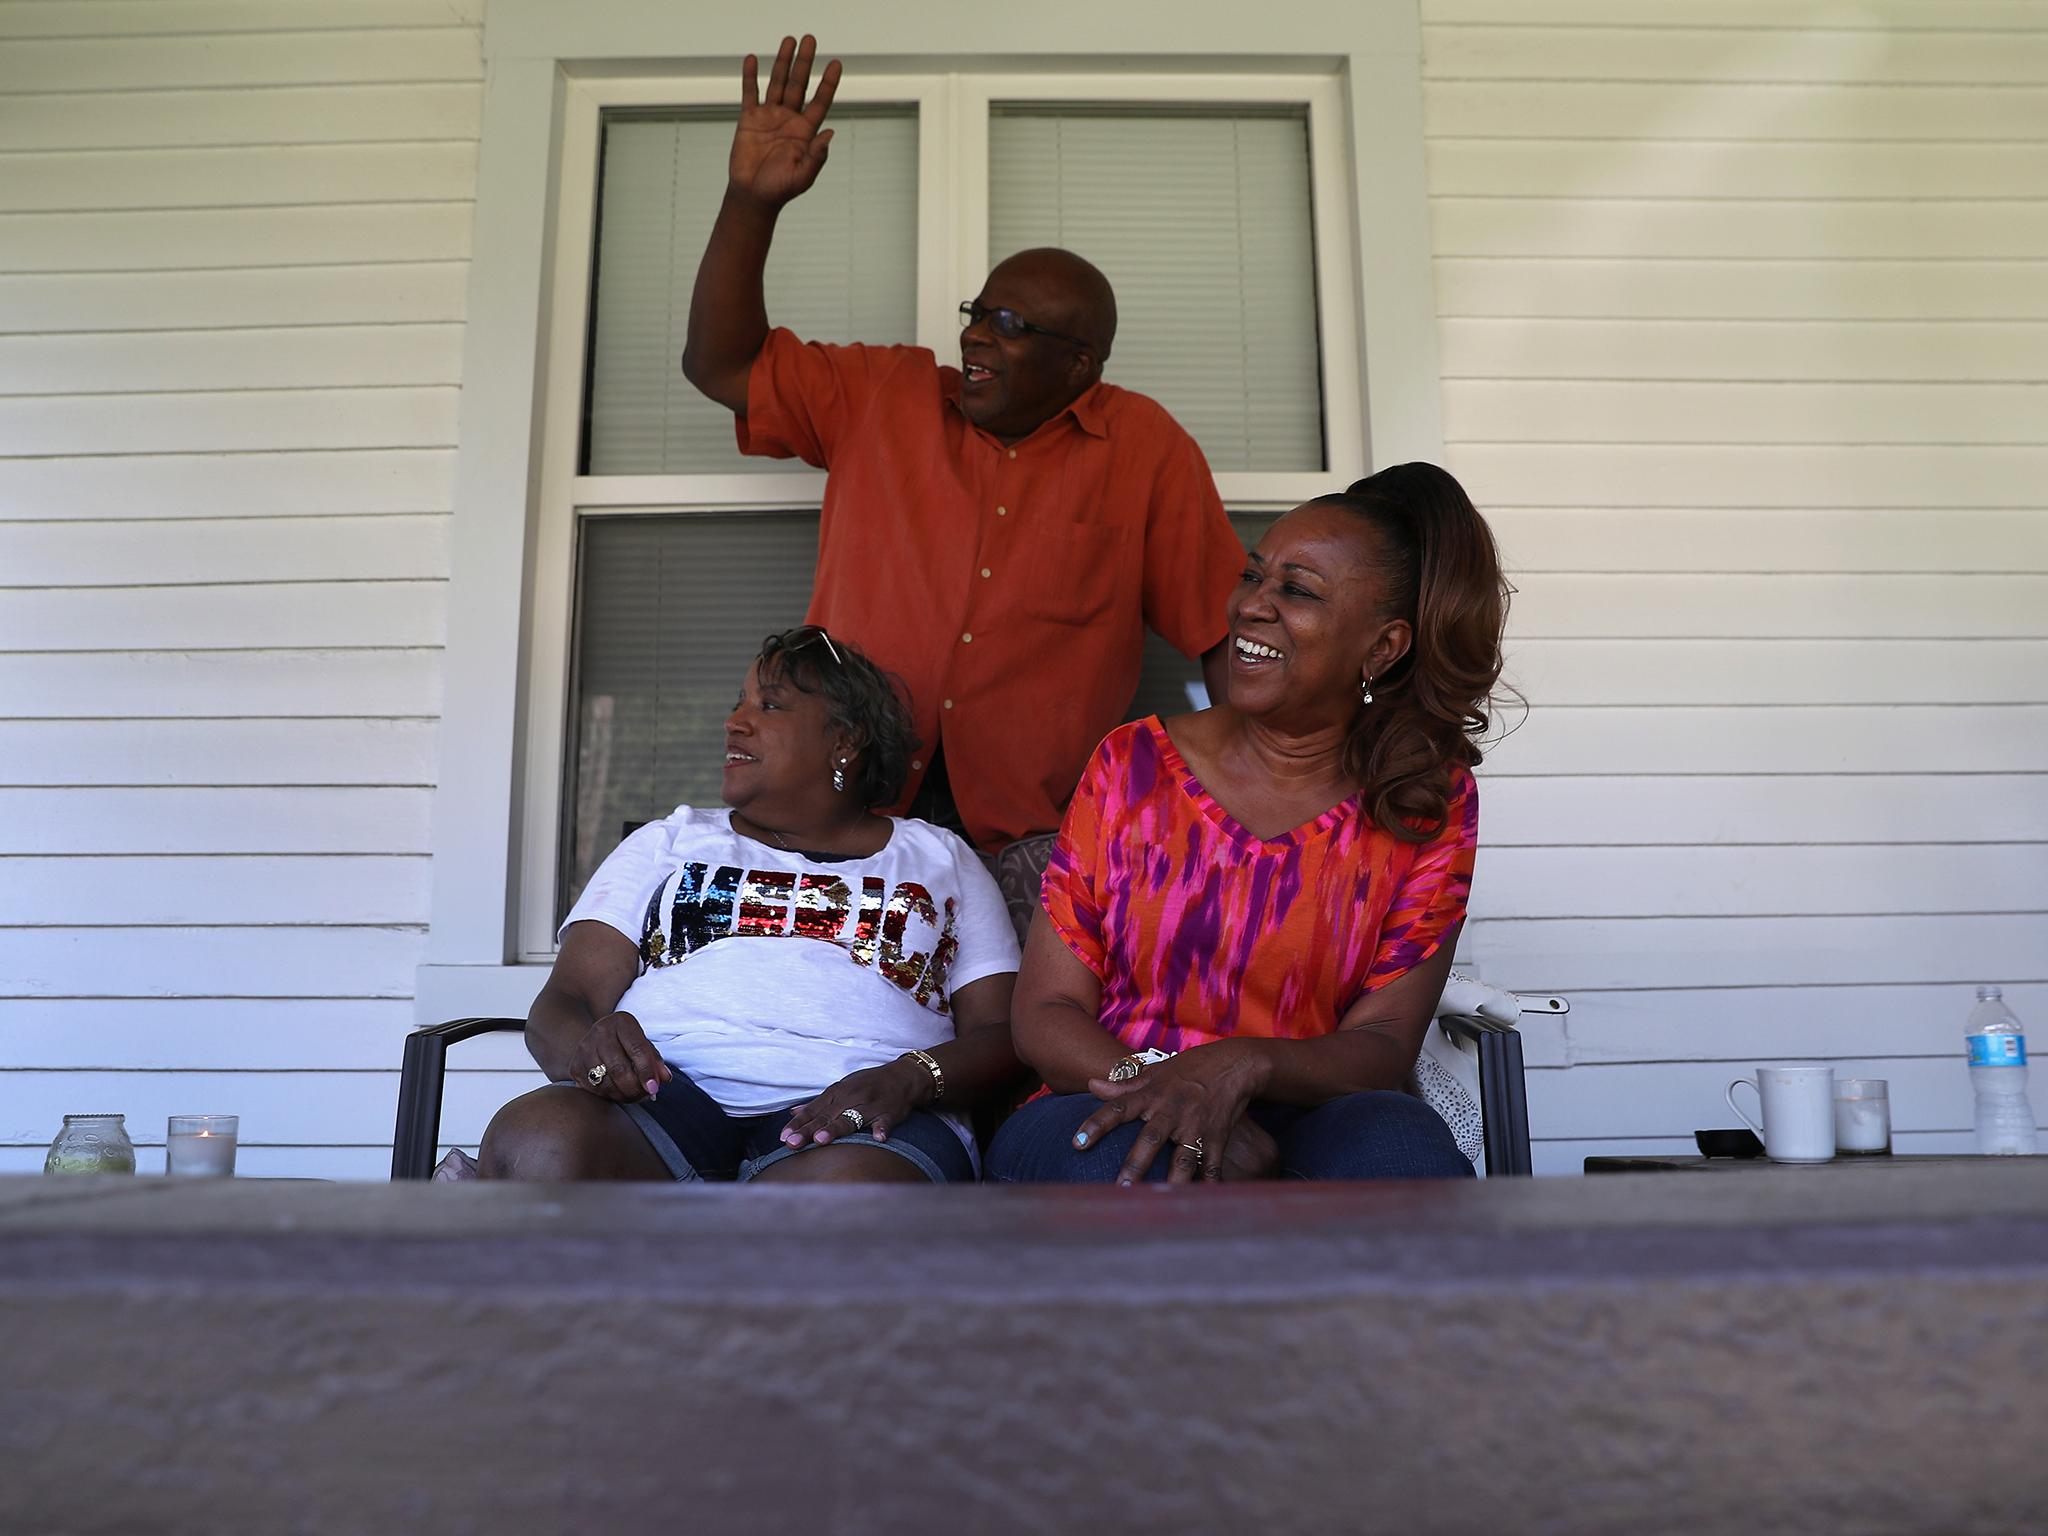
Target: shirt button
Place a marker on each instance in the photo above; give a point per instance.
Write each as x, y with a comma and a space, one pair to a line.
1002, 511
984, 573
949, 703
1013, 453
967, 639
916, 764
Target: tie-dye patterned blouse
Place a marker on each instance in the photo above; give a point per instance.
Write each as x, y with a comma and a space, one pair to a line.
1198, 930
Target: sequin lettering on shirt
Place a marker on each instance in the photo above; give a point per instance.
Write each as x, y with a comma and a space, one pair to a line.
822, 905
900, 964
935, 973
700, 904
764, 903
861, 942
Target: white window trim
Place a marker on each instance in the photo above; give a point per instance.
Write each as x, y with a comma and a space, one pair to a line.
551, 67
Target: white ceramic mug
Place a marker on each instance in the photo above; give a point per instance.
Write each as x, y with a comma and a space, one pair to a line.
1799, 1112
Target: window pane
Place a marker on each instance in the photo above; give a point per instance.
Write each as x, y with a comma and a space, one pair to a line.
843, 268
1202, 222
669, 611
1163, 685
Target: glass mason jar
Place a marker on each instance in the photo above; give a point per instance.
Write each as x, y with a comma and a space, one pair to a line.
91, 1144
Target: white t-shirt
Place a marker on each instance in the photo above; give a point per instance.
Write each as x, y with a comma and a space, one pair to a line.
766, 977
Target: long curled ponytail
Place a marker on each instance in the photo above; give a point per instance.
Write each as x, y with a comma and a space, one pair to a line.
1443, 576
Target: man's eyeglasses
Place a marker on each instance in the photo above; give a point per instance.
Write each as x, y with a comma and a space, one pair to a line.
811, 634
1010, 325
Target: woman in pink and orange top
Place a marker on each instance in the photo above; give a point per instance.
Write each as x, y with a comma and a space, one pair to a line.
1251, 911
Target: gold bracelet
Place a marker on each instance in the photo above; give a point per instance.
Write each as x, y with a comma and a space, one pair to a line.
931, 1065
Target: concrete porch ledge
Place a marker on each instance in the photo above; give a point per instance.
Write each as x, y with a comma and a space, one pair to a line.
1631, 1354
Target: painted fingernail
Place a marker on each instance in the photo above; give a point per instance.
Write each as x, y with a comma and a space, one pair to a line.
1080, 1138
1123, 1183
653, 1088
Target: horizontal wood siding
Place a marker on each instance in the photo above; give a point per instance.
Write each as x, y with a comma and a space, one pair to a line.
234, 237
1744, 320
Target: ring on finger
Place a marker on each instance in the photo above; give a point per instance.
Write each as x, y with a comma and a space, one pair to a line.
860, 1121
1194, 1146
595, 1076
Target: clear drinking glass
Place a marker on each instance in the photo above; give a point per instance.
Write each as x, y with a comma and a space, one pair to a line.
1863, 1117
91, 1144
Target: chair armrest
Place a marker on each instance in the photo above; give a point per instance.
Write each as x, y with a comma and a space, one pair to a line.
1503, 1098
420, 1079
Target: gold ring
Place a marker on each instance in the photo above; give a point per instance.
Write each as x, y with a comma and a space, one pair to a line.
595, 1075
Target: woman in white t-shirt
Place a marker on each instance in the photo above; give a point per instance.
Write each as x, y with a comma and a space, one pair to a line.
794, 987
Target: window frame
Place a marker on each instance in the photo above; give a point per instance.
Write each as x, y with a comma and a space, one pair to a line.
953, 112
499, 795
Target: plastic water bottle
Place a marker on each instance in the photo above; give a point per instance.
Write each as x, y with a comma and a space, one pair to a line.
1998, 1073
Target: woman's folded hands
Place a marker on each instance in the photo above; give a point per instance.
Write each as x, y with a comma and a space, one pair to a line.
1193, 1103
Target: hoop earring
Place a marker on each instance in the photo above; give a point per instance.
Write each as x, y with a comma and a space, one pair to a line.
839, 776
1365, 690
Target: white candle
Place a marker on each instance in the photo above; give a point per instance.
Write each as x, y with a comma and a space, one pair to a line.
200, 1146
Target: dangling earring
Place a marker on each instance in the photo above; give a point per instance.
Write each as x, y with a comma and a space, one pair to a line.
1365, 690
839, 776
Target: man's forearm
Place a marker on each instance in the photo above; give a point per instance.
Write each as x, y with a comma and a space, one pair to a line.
728, 310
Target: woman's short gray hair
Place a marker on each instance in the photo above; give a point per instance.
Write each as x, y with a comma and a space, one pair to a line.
870, 705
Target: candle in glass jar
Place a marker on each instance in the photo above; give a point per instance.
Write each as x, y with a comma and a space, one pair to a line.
201, 1146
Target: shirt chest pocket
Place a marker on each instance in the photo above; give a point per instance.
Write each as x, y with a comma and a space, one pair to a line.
1075, 571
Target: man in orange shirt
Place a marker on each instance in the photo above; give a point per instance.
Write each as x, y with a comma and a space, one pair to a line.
998, 535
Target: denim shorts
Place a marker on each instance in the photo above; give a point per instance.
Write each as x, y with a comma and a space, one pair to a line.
697, 1139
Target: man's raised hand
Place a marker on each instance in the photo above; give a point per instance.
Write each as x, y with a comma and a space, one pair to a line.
778, 149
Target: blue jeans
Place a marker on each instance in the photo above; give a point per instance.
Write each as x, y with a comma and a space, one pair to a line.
1381, 1135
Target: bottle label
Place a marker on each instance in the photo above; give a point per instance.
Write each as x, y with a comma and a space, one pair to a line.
1997, 1050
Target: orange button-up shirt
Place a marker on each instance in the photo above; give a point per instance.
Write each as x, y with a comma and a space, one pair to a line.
1008, 586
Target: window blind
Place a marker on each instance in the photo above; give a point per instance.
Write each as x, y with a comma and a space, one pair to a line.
670, 610
1202, 221
843, 268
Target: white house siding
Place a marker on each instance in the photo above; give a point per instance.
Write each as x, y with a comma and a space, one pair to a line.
1744, 320
234, 238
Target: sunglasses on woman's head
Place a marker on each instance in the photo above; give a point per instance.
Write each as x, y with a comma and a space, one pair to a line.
811, 634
